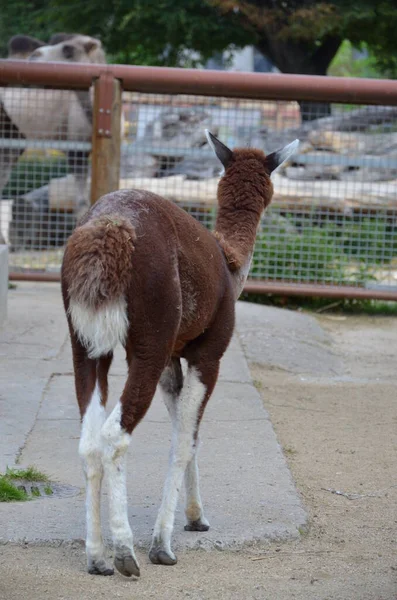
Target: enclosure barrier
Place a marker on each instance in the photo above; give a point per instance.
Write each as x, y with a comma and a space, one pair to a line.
332, 227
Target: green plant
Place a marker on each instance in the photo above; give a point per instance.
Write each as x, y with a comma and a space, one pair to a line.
31, 173
29, 474
308, 250
348, 62
9, 492
308, 255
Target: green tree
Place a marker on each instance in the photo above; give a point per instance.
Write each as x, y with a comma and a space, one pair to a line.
373, 25
299, 36
27, 17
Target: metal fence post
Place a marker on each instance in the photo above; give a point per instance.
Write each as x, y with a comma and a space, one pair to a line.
106, 136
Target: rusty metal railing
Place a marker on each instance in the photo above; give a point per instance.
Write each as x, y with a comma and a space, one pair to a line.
110, 80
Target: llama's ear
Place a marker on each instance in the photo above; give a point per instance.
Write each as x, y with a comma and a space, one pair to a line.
223, 153
277, 158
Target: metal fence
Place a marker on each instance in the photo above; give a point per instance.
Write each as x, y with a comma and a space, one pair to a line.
332, 226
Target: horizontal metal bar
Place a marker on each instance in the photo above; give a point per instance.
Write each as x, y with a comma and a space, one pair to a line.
138, 148
63, 145
318, 290
33, 276
376, 162
164, 80
261, 287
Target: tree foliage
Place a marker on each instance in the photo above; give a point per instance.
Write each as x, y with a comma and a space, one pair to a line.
22, 16
299, 36
373, 25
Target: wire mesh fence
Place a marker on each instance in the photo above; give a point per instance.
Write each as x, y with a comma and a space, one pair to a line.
45, 142
333, 215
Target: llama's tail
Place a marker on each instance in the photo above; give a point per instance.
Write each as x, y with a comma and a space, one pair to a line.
96, 271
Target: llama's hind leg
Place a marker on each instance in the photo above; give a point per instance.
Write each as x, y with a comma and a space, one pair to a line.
171, 384
194, 510
197, 388
91, 389
116, 436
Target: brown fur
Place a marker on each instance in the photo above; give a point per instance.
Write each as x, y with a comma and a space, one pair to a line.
243, 193
172, 271
100, 256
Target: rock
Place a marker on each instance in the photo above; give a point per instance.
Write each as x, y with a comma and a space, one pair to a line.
34, 226
338, 141
62, 193
137, 164
273, 221
172, 134
314, 172
181, 127
196, 168
368, 174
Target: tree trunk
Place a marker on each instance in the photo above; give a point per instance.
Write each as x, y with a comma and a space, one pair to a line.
310, 111
301, 58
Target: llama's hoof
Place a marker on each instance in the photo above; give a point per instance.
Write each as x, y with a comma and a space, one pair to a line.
159, 556
126, 563
99, 567
199, 525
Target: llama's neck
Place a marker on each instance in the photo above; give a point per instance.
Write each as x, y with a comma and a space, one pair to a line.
236, 232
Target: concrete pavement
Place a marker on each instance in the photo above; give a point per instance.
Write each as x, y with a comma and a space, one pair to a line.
247, 489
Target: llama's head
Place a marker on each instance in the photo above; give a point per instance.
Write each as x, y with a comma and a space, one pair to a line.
22, 46
249, 166
70, 48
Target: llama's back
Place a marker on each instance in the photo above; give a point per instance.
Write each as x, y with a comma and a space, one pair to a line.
133, 246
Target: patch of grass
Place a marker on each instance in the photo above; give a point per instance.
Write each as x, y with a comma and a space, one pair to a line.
12, 286
9, 491
303, 530
29, 474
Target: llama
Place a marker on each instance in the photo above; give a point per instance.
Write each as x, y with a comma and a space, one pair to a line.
140, 271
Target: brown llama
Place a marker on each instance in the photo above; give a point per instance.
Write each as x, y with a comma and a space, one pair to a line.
140, 271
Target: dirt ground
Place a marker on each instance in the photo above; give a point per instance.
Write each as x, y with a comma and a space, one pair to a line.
338, 434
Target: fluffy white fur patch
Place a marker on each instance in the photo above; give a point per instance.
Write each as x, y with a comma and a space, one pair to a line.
100, 330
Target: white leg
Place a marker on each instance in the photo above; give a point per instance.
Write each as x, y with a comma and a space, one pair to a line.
90, 450
115, 445
182, 450
194, 511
